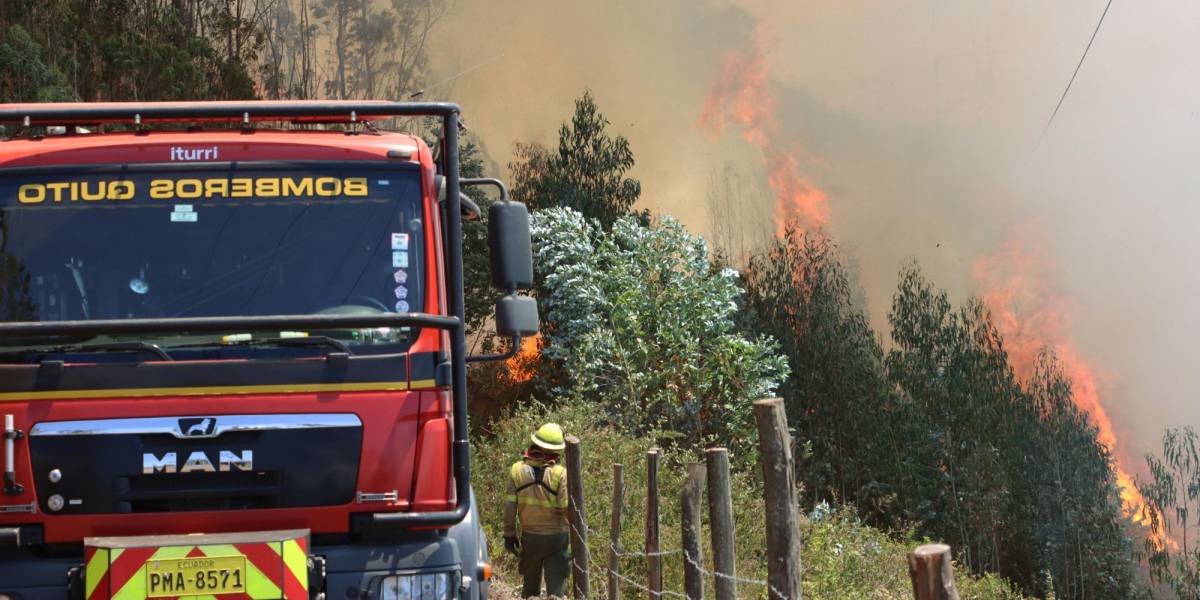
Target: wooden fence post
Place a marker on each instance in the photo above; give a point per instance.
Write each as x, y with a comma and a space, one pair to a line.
575, 516
653, 558
932, 573
614, 533
783, 524
693, 489
720, 519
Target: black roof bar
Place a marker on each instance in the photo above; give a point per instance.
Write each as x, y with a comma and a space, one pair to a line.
348, 111
20, 329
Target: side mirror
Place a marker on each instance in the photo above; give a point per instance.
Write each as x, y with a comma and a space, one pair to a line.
511, 252
516, 316
510, 246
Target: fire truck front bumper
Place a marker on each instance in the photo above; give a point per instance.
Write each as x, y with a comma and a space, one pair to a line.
255, 566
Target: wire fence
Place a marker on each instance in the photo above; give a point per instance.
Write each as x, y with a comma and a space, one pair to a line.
930, 566
604, 571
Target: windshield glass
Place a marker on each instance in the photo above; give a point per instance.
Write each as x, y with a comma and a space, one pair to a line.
242, 240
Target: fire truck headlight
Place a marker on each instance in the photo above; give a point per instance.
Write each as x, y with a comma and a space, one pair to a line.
422, 586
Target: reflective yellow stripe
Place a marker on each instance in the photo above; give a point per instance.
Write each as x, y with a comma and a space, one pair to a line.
223, 390
135, 587
258, 584
536, 502
296, 561
510, 497
95, 571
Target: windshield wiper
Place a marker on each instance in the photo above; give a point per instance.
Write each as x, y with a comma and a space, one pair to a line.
128, 346
308, 340
293, 341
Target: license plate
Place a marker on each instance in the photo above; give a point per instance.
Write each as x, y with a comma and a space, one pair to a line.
205, 575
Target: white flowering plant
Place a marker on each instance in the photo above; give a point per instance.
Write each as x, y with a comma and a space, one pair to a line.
638, 320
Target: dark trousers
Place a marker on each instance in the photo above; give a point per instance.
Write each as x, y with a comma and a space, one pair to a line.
548, 554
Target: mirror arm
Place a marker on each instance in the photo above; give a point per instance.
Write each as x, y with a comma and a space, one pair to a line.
469, 210
514, 346
487, 181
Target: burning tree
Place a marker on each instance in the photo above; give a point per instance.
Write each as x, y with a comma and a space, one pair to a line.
799, 292
1023, 483
939, 431
1173, 509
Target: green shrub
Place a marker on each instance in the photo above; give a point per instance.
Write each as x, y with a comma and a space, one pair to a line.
636, 320
842, 557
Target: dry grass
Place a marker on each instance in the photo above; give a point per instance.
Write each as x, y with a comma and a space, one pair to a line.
842, 557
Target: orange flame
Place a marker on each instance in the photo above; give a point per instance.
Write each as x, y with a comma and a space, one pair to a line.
742, 96
523, 365
1031, 317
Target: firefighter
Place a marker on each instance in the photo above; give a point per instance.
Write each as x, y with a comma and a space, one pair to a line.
537, 497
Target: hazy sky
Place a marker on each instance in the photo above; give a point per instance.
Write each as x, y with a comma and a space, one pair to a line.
919, 119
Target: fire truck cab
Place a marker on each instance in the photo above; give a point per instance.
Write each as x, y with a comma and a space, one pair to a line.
232, 356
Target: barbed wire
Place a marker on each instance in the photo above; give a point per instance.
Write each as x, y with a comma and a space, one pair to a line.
588, 531
734, 578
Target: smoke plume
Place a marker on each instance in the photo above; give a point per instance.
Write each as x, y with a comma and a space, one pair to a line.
908, 130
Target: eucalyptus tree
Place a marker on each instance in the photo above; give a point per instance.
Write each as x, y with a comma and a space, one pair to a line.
639, 322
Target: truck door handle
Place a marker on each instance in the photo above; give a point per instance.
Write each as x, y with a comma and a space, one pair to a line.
11, 435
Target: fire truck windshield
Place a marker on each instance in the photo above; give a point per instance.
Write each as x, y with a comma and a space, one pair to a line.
243, 240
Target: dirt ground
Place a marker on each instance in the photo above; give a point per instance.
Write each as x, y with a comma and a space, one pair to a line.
503, 591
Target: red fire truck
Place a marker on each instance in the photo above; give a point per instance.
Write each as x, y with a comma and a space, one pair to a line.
232, 357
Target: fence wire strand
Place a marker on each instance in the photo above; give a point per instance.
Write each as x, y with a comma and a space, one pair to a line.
604, 571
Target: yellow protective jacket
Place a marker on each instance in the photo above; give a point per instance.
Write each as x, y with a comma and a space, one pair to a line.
537, 494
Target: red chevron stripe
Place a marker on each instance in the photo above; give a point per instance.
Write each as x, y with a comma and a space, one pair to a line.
264, 559
127, 565
101, 592
196, 552
293, 588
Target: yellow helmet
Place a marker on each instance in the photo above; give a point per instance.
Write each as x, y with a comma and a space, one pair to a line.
549, 436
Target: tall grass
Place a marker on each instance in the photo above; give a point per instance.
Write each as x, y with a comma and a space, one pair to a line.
842, 558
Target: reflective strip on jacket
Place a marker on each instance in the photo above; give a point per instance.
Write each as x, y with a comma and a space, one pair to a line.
541, 507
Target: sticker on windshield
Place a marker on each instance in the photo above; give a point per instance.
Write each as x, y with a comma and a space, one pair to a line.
184, 213
401, 306
400, 259
399, 241
401, 292
401, 276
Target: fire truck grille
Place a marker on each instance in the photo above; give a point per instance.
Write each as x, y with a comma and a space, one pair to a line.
199, 491
200, 463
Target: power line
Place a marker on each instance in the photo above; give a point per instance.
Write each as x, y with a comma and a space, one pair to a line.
431, 86
1073, 75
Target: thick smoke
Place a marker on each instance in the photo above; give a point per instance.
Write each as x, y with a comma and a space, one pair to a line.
918, 121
